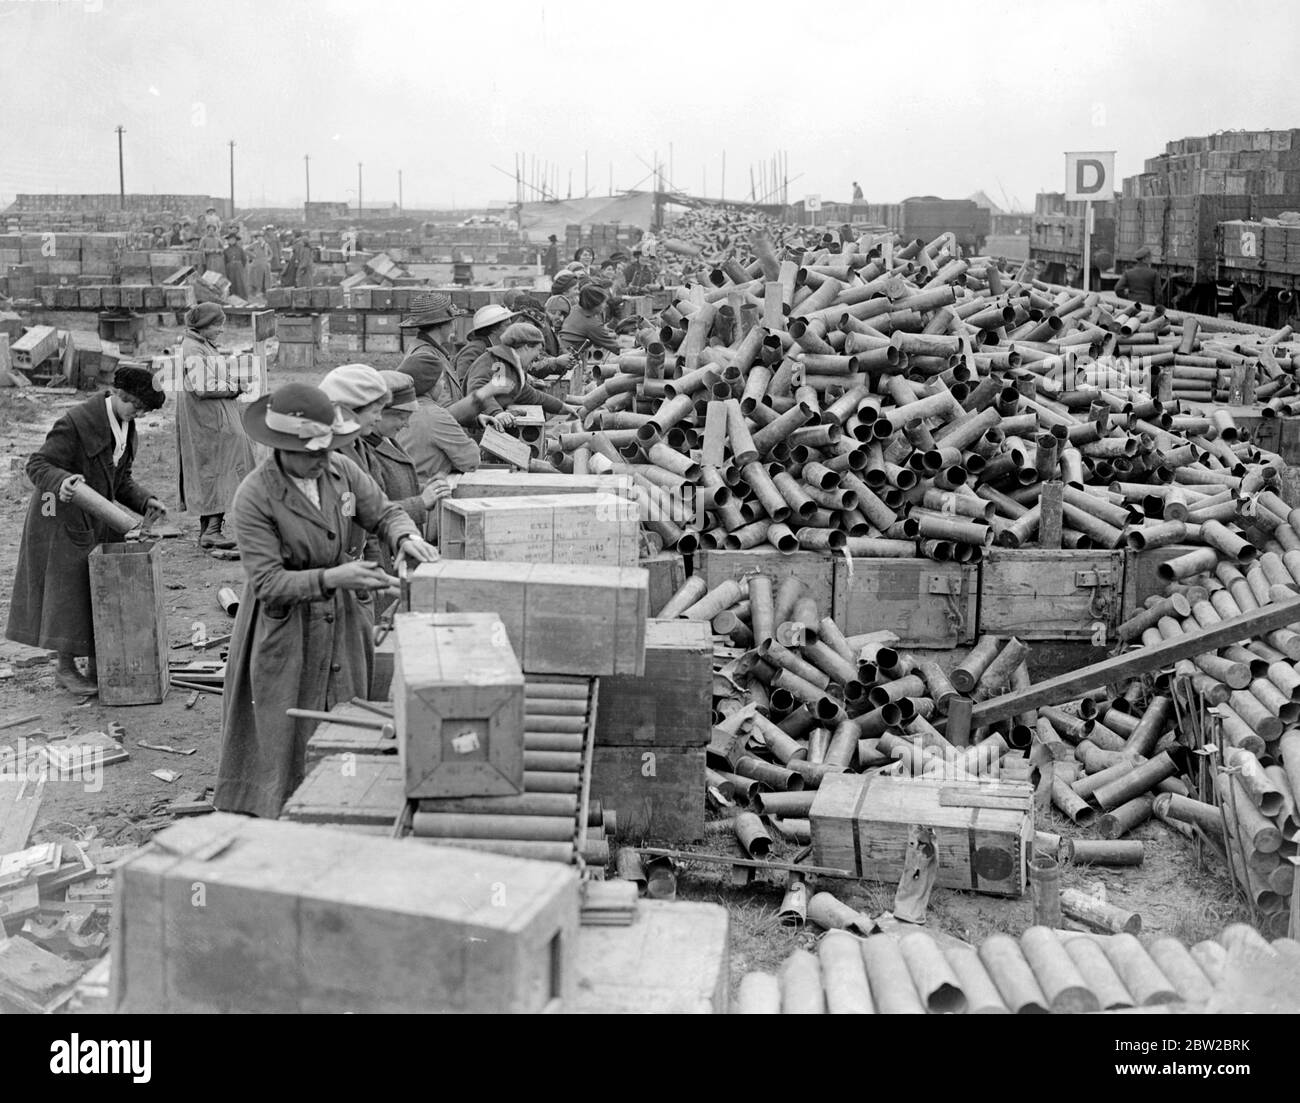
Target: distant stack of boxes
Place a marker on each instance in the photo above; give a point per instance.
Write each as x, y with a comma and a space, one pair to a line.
1175, 207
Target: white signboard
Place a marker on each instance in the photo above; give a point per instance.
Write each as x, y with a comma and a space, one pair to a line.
813, 203
1090, 175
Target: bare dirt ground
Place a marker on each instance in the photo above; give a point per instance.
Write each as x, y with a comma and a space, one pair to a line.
1173, 895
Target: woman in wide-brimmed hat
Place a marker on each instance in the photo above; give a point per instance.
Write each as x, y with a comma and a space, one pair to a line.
92, 444
213, 450
304, 633
432, 314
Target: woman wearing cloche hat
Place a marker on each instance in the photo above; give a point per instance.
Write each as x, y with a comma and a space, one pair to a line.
213, 450
304, 634
92, 447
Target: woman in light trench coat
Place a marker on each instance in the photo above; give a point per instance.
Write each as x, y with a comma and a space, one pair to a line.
304, 633
214, 451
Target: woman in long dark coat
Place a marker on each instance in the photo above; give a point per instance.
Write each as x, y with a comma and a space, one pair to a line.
93, 443
236, 265
304, 634
213, 451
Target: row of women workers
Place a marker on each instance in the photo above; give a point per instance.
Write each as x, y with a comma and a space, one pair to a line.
453, 402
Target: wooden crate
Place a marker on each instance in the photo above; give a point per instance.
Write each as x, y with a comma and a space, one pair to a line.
860, 823
341, 738
658, 792
1049, 594
595, 529
814, 570
670, 705
672, 960
458, 696
560, 619
667, 572
130, 618
296, 357
299, 329
514, 484
927, 604
1140, 580
299, 920
354, 787
34, 347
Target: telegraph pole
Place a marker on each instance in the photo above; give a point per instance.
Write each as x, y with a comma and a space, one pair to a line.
306, 163
399, 191
358, 191
232, 177
121, 171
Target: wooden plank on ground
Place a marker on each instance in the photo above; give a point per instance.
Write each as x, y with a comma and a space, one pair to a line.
20, 801
1143, 660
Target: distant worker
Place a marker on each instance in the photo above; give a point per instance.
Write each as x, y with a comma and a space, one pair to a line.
214, 259
638, 275
176, 238
160, 239
304, 260
857, 192
1141, 283
211, 220
551, 260
236, 265
259, 266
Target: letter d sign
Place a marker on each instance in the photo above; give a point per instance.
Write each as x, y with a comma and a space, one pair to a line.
1089, 176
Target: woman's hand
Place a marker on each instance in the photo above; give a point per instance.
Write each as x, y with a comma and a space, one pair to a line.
417, 550
434, 493
500, 422
68, 486
359, 575
154, 513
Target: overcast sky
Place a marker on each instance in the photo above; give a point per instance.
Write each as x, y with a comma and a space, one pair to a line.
936, 97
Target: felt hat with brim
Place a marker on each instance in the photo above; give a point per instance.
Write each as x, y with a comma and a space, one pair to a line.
299, 418
431, 309
401, 391
139, 383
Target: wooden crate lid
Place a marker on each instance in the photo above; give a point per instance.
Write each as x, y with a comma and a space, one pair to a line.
611, 506
386, 875
685, 634
932, 802
465, 648
559, 574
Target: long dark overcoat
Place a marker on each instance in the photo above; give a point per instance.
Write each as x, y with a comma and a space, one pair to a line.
295, 645
51, 595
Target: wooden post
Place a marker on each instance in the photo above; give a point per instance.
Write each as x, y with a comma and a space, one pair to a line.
1142, 660
1049, 516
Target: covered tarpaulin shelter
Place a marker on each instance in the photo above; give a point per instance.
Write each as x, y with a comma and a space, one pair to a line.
551, 217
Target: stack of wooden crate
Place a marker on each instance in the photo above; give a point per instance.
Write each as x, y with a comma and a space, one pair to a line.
651, 733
